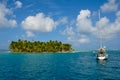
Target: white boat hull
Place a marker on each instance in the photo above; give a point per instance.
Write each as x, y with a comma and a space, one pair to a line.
102, 58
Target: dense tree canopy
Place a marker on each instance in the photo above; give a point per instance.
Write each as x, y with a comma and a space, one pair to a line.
37, 46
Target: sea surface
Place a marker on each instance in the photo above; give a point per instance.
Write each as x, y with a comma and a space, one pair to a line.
56, 66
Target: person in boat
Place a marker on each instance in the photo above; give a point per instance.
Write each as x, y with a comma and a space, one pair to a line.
101, 52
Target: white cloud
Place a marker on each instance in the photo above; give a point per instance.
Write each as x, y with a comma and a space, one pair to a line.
75, 37
29, 34
84, 23
4, 22
83, 39
110, 6
39, 22
79, 39
3, 10
107, 29
118, 14
18, 4
102, 28
117, 22
63, 20
69, 31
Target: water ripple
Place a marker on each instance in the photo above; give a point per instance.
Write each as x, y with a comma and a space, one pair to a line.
72, 66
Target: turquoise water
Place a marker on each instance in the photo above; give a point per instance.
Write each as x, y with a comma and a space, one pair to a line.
71, 66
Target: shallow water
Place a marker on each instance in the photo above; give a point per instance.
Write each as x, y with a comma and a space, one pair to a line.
71, 66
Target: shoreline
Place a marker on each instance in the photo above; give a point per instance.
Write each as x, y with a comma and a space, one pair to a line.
75, 51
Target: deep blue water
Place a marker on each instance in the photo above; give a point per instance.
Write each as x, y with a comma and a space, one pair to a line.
71, 66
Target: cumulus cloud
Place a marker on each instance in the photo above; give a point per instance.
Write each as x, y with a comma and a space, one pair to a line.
62, 20
18, 4
83, 39
110, 6
69, 31
79, 39
102, 28
4, 22
83, 25
39, 22
29, 34
83, 21
107, 29
75, 37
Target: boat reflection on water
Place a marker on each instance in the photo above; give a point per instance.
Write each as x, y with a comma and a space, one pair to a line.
101, 62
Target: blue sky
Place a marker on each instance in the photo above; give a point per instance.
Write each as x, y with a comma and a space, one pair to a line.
77, 22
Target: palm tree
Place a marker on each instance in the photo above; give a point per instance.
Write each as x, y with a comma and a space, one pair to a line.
37, 46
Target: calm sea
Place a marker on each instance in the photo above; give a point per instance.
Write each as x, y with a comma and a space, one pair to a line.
71, 66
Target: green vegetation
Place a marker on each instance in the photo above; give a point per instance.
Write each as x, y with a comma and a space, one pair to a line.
37, 46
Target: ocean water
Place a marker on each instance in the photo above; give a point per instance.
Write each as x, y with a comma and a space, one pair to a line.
69, 66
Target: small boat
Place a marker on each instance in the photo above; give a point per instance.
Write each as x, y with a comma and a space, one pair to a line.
102, 55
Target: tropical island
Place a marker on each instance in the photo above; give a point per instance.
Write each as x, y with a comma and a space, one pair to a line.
37, 46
